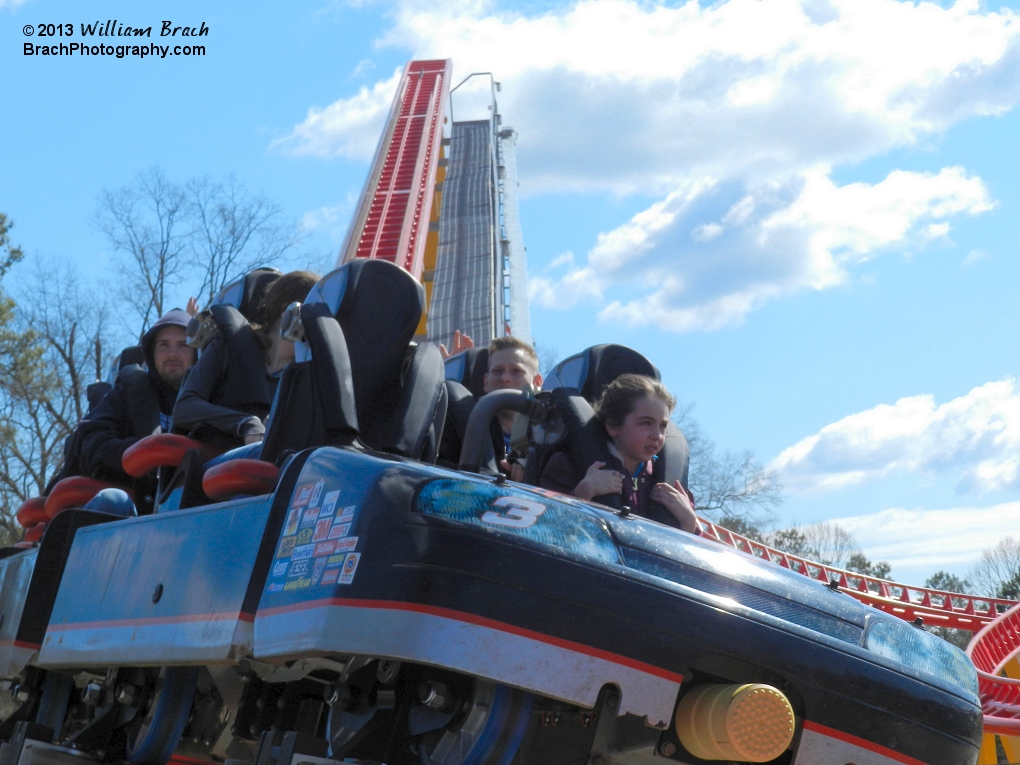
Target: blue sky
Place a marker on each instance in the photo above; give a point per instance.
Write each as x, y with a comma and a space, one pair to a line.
804, 211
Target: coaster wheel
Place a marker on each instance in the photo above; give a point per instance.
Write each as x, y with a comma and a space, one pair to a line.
168, 713
489, 732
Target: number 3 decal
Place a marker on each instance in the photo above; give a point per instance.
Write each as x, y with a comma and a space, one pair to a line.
518, 513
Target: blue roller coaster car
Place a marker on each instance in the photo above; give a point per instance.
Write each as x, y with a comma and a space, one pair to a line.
373, 607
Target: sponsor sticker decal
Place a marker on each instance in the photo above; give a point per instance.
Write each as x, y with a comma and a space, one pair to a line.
298, 568
347, 543
316, 493
349, 568
330, 575
278, 587
304, 536
301, 495
336, 560
298, 584
290, 528
302, 552
286, 547
327, 547
280, 568
317, 569
339, 530
310, 517
346, 514
321, 530
329, 503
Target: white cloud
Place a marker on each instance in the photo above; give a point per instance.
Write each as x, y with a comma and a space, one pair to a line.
779, 237
974, 256
627, 96
325, 216
733, 114
347, 128
329, 220
364, 66
975, 437
927, 540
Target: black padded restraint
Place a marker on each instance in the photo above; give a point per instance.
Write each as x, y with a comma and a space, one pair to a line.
246, 388
421, 411
331, 371
379, 314
255, 285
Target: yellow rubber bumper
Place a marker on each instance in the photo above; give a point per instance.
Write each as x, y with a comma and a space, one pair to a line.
746, 723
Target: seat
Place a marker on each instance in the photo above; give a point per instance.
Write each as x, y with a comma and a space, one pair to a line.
160, 450
469, 368
460, 403
245, 388
591, 370
357, 379
572, 387
465, 384
245, 293
240, 476
32, 511
230, 317
75, 492
35, 533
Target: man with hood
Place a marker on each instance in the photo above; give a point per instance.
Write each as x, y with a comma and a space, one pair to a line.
140, 404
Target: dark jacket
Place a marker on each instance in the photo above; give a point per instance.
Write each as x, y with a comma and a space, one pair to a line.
228, 393
562, 475
139, 405
199, 412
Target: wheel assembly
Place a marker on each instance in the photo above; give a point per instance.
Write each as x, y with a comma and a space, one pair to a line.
489, 730
168, 713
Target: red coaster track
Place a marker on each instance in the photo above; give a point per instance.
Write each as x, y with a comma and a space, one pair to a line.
393, 214
995, 646
936, 607
992, 650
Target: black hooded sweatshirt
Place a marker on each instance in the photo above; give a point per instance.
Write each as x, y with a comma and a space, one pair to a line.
139, 405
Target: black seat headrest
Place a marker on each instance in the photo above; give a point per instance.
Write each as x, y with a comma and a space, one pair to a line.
245, 293
131, 355
378, 305
591, 370
469, 369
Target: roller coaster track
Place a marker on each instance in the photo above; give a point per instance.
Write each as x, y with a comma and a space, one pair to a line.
995, 649
393, 215
936, 608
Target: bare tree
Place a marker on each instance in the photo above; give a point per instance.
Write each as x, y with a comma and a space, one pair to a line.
10, 346
52, 345
830, 543
70, 322
232, 231
147, 223
827, 543
165, 232
998, 570
729, 487
548, 357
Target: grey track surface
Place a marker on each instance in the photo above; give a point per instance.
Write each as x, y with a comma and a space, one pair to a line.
465, 278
